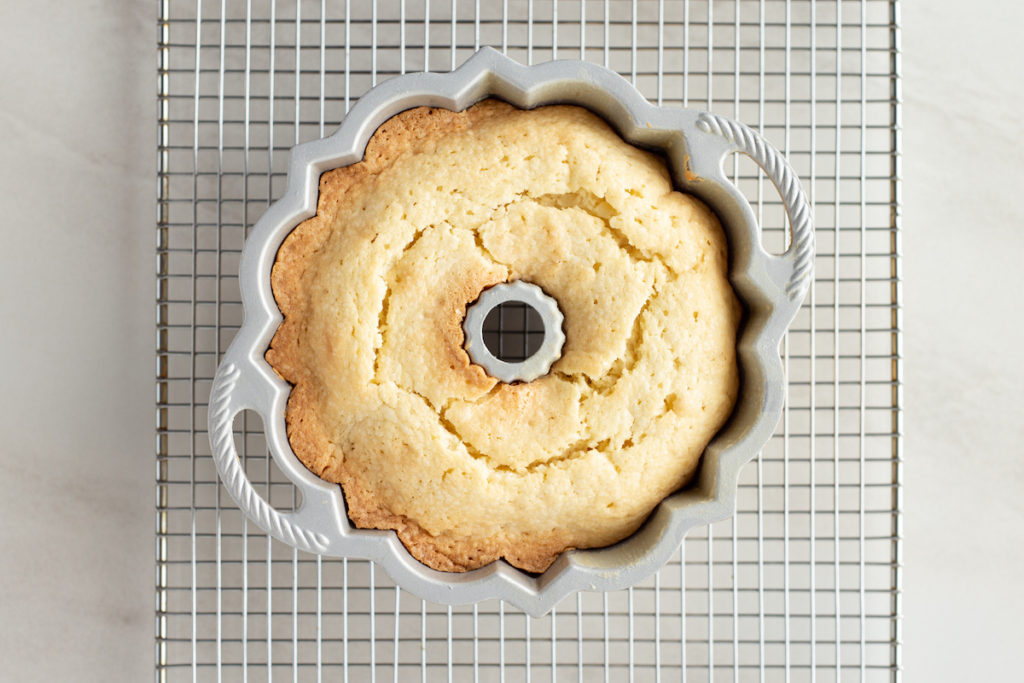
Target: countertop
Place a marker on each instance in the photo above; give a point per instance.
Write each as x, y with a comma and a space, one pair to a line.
77, 169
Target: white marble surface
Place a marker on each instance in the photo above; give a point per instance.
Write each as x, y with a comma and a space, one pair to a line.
964, 269
77, 108
77, 163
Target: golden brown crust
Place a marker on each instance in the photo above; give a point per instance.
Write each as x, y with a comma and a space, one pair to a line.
330, 455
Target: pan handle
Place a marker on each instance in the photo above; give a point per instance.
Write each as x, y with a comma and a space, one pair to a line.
226, 401
799, 257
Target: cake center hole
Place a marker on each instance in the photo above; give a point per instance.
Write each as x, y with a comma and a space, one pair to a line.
513, 331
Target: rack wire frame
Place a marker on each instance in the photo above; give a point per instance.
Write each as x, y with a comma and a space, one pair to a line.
513, 331
803, 583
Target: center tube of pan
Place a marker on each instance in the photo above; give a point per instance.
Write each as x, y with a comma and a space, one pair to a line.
514, 331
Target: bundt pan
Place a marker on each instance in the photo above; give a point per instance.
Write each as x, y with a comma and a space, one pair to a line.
771, 288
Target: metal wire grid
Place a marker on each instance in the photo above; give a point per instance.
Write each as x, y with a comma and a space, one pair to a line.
513, 331
803, 583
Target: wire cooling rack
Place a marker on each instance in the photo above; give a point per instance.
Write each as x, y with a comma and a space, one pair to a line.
803, 583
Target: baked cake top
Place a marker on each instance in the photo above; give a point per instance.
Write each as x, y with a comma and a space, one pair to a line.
386, 402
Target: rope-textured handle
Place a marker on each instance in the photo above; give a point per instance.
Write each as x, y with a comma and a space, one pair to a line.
234, 477
785, 180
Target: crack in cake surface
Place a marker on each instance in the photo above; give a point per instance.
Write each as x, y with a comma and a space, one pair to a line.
599, 209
